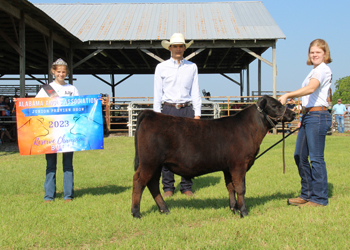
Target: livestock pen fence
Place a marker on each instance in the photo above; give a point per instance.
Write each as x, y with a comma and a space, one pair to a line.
120, 113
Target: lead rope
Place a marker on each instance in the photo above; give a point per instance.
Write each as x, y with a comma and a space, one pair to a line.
275, 144
269, 119
284, 163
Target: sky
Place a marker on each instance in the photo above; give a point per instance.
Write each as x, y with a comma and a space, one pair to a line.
300, 20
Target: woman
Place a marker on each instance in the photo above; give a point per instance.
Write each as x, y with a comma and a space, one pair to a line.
59, 70
313, 127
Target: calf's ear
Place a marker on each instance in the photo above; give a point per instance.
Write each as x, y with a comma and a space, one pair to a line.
262, 103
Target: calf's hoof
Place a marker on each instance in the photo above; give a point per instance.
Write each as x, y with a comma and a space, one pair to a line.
137, 216
234, 210
164, 211
136, 213
243, 214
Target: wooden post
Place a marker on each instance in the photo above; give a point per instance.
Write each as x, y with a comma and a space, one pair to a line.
228, 106
241, 80
274, 76
248, 83
108, 114
274, 71
113, 86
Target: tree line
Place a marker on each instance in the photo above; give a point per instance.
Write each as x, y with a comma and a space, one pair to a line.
342, 90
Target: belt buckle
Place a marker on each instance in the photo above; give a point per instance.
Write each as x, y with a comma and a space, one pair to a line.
178, 106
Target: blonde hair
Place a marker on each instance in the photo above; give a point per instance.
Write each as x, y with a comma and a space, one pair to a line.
54, 68
322, 44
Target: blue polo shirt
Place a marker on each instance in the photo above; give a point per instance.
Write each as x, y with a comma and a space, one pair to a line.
339, 109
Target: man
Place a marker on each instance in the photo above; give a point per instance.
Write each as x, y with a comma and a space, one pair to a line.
339, 110
176, 84
291, 104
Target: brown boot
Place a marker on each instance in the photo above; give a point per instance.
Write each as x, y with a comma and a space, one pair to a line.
188, 193
168, 194
296, 201
310, 204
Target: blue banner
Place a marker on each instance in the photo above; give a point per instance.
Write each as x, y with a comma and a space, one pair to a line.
59, 124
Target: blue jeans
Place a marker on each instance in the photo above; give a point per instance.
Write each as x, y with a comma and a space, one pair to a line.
68, 176
340, 123
310, 144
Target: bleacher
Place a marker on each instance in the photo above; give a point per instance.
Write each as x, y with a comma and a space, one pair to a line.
14, 90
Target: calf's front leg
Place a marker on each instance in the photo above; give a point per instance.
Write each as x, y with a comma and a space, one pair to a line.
239, 186
231, 192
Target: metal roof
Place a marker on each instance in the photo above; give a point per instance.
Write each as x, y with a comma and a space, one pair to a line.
158, 21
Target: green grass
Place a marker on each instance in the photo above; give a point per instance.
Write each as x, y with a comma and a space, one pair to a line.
100, 217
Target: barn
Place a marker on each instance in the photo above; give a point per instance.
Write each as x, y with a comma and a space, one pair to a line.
124, 38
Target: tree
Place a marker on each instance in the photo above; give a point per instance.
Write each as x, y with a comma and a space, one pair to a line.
342, 90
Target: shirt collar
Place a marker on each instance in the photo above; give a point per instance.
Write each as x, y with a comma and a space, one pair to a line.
175, 62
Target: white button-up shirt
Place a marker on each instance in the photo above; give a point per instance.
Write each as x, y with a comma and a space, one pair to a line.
177, 83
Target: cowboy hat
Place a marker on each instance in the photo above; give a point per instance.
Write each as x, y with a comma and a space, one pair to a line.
176, 38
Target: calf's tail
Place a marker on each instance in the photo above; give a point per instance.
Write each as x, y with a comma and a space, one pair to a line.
140, 117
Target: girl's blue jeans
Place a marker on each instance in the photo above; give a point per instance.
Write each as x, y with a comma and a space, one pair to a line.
309, 156
68, 176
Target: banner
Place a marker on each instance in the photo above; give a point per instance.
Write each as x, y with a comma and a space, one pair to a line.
59, 124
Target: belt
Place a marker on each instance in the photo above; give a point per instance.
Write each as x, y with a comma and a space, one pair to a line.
177, 105
315, 109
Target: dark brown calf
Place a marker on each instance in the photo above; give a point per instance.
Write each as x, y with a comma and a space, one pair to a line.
190, 148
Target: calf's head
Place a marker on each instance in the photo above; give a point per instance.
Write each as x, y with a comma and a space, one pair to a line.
275, 110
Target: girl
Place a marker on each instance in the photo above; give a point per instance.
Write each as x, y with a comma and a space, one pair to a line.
59, 70
313, 127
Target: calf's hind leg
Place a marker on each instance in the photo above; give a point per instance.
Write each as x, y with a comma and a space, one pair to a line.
153, 186
137, 190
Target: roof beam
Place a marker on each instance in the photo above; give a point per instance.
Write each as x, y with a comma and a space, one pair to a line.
122, 80
87, 58
119, 65
100, 61
14, 27
206, 59
37, 79
9, 41
103, 80
143, 58
222, 59
200, 44
128, 58
239, 84
9, 9
152, 55
257, 56
194, 54
238, 58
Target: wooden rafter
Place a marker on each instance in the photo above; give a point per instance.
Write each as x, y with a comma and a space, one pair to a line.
128, 58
